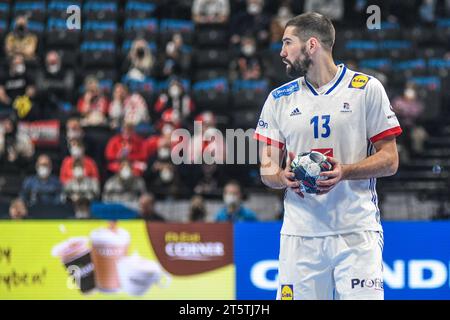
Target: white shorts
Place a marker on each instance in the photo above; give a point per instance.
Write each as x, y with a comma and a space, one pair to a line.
340, 267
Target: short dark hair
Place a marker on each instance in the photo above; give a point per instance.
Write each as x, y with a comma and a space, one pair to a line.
312, 24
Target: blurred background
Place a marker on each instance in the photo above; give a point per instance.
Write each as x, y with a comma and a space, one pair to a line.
87, 113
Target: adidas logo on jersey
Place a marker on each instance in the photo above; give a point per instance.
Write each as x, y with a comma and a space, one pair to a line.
295, 112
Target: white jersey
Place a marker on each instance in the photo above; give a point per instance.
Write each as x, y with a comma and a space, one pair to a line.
342, 119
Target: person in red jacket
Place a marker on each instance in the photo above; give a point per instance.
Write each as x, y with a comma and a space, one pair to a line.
90, 168
126, 145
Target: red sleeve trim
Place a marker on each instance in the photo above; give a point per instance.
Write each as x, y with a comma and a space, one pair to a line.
268, 141
387, 133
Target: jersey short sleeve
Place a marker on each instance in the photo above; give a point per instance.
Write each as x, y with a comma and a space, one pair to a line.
380, 117
267, 129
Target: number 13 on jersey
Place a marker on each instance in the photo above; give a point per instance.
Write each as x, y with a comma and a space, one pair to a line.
324, 123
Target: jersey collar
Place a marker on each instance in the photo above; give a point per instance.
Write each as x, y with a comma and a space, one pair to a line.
329, 87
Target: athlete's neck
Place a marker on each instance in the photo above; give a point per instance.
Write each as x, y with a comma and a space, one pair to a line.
322, 72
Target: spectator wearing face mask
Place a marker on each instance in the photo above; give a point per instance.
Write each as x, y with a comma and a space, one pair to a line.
81, 189
333, 9
254, 20
127, 107
77, 154
408, 108
233, 209
248, 63
17, 91
16, 148
140, 61
55, 85
279, 21
175, 99
21, 40
160, 143
210, 11
44, 187
93, 105
124, 187
161, 174
147, 209
126, 145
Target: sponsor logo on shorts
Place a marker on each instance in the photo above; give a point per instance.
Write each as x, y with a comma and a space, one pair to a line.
359, 81
376, 283
287, 292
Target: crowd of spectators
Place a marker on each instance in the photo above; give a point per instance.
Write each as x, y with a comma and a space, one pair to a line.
115, 139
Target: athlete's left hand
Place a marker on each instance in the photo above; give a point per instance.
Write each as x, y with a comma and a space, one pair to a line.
333, 177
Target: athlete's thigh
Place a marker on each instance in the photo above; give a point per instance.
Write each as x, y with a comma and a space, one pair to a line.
304, 274
358, 271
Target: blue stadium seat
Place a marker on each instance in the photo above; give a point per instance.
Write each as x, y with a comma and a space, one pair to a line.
248, 94
148, 85
211, 94
98, 53
100, 10
144, 28
100, 31
170, 26
4, 11
35, 9
208, 36
111, 211
139, 9
211, 58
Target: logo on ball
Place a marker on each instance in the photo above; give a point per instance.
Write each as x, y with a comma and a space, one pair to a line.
307, 167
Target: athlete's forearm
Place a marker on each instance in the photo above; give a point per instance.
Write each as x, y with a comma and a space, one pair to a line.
381, 164
273, 181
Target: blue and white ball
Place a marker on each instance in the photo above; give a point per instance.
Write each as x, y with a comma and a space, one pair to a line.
307, 167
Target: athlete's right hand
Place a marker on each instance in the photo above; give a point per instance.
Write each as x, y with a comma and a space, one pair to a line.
288, 177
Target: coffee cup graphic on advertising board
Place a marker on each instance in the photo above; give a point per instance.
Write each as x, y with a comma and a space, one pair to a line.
75, 254
137, 275
109, 245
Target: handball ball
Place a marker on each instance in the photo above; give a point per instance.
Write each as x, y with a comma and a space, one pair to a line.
307, 167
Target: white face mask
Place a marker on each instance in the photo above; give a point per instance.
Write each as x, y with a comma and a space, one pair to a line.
170, 48
166, 175
43, 172
76, 152
254, 8
284, 12
20, 68
125, 173
78, 172
54, 68
248, 49
167, 129
136, 74
174, 91
163, 153
410, 93
230, 199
